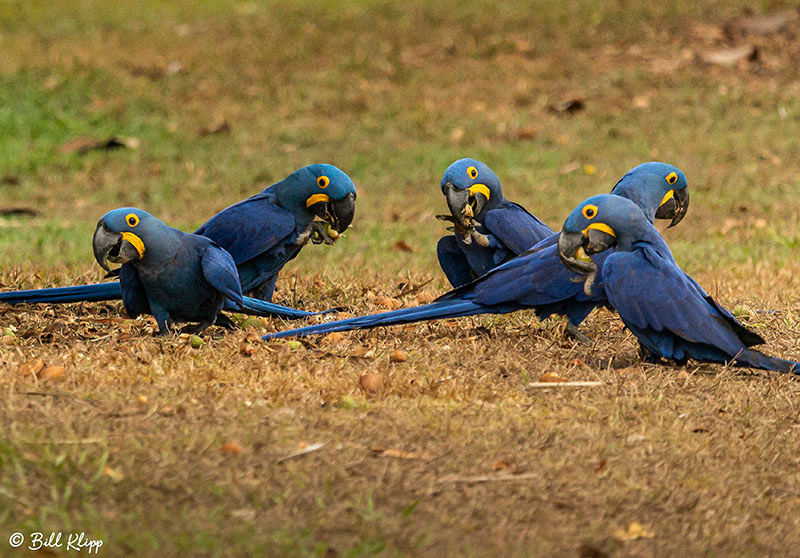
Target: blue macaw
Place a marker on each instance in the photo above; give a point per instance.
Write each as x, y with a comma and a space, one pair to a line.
262, 233
487, 228
536, 279
668, 312
170, 274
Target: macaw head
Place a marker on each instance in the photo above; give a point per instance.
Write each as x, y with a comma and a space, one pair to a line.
471, 189
322, 191
124, 235
659, 189
598, 224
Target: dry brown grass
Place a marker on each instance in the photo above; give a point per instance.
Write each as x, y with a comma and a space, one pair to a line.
704, 458
162, 449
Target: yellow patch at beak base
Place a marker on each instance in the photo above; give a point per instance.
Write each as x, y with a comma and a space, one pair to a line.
480, 189
668, 196
580, 254
317, 198
134, 241
602, 227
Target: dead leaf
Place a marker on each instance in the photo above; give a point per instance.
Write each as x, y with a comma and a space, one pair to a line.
249, 344
362, 351
18, 212
551, 377
403, 246
570, 106
730, 56
232, 448
112, 473
142, 399
370, 383
388, 302
425, 298
334, 337
32, 367
219, 126
526, 133
53, 373
84, 145
398, 356
641, 101
634, 531
570, 167
501, 466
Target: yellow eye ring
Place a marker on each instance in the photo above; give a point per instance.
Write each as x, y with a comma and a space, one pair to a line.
672, 177
590, 211
472, 172
323, 182
132, 219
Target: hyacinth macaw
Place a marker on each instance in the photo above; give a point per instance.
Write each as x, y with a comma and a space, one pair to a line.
668, 312
536, 279
487, 228
262, 234
171, 275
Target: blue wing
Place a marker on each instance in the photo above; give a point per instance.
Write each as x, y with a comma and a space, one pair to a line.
654, 296
249, 228
515, 227
220, 271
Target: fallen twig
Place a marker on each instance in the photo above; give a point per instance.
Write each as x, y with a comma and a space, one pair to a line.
563, 384
298, 453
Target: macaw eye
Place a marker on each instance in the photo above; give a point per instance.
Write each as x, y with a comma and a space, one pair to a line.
589, 211
472, 172
323, 182
132, 219
672, 177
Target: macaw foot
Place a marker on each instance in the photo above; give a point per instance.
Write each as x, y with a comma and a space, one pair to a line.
195, 329
648, 357
224, 321
571, 331
321, 233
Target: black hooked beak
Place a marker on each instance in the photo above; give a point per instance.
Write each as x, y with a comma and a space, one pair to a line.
114, 247
674, 206
336, 213
342, 212
464, 204
574, 248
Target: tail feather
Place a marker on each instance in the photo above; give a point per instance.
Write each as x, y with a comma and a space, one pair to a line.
435, 311
256, 307
59, 295
112, 291
756, 359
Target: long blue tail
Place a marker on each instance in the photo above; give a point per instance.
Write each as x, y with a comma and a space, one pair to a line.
60, 295
438, 310
757, 359
111, 291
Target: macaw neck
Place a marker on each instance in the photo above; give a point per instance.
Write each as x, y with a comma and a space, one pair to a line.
162, 245
495, 201
643, 192
643, 235
288, 195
